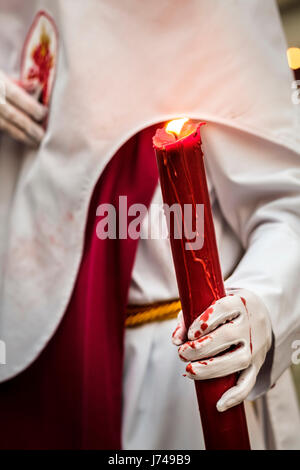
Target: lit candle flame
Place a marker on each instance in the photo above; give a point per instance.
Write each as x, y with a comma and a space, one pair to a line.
175, 126
293, 55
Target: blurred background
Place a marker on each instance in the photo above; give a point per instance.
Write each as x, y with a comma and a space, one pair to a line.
290, 15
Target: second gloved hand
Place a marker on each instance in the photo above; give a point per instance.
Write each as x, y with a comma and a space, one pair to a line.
233, 335
20, 113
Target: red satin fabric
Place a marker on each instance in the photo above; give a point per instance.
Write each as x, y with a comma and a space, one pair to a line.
70, 397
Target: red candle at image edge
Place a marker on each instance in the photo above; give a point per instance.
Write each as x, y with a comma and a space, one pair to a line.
198, 272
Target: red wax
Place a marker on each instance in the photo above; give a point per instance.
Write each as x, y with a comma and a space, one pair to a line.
198, 272
43, 62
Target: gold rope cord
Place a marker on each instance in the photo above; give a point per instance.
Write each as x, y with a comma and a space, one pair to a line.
137, 315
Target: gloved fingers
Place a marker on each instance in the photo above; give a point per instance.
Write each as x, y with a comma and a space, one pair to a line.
22, 121
240, 391
214, 343
238, 358
220, 312
179, 334
22, 100
34, 87
15, 133
29, 85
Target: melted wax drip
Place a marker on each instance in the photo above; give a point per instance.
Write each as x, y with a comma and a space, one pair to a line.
212, 283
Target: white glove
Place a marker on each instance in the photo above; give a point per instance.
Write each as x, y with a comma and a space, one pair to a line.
239, 321
20, 112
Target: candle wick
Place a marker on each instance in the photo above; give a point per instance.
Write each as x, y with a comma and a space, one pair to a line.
174, 134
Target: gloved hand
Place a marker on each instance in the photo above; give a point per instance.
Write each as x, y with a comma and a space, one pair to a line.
20, 113
234, 334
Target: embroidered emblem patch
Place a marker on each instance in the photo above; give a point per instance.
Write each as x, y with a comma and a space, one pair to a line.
39, 55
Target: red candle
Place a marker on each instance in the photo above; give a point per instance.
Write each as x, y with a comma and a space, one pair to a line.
199, 277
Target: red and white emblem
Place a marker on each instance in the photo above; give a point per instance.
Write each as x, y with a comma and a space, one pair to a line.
39, 55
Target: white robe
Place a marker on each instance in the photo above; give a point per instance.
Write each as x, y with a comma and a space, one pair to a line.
122, 67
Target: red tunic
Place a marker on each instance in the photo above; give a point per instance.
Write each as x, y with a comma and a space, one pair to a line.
70, 397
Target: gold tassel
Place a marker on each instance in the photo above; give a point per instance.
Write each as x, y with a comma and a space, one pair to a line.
137, 315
